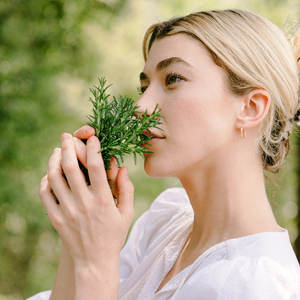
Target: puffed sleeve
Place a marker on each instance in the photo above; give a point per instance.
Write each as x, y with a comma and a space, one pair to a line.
146, 232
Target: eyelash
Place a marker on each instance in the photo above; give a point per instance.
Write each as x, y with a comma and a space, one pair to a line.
170, 75
140, 90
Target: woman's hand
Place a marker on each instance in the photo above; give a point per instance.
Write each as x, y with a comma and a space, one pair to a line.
92, 226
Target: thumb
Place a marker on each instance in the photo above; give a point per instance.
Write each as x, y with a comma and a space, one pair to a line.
125, 193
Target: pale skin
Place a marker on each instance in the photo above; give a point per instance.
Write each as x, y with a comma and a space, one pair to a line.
221, 172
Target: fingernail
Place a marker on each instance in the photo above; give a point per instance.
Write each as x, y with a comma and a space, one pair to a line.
55, 150
93, 138
65, 136
75, 132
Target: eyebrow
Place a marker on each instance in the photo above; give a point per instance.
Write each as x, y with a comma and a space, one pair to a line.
164, 64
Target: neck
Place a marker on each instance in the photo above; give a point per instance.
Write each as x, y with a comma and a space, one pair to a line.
229, 200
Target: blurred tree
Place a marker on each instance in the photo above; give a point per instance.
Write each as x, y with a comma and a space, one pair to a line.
38, 40
48, 51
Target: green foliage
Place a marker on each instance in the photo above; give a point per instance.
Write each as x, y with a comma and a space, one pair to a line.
40, 40
117, 126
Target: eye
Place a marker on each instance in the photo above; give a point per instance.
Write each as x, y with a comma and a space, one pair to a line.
141, 89
173, 78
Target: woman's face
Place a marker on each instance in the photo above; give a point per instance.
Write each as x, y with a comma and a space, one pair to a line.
189, 88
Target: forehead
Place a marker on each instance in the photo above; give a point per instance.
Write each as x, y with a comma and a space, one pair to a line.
182, 46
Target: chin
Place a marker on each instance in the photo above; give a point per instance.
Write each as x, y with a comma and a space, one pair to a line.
152, 171
156, 168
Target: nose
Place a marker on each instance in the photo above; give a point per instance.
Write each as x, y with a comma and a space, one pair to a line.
147, 104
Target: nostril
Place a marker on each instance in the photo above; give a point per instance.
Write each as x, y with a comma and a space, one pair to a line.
138, 114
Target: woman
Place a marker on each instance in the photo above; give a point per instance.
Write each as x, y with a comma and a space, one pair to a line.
227, 84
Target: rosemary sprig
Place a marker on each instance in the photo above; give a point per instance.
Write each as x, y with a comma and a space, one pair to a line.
117, 127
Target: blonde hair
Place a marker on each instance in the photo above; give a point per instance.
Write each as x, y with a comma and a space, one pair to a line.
255, 54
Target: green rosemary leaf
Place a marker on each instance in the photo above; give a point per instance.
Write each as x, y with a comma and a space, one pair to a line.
117, 126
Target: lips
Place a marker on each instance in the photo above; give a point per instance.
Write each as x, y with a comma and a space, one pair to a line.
154, 135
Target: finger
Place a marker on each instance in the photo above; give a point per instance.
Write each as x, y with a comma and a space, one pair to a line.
96, 168
71, 167
80, 149
112, 174
55, 176
84, 132
48, 200
126, 194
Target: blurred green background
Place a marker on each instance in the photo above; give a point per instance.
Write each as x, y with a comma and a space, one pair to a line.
51, 52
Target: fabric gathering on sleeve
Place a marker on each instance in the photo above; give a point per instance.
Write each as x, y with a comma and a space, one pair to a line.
152, 228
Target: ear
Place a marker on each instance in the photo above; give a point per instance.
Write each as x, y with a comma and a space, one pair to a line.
255, 107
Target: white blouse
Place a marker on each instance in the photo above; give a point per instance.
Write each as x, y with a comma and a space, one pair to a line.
260, 266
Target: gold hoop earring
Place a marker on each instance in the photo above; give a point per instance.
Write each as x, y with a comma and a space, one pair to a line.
243, 132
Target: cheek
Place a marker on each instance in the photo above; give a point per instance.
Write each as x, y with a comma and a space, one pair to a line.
202, 120
189, 118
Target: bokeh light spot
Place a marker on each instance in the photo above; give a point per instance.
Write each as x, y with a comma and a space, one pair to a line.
290, 209
66, 21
